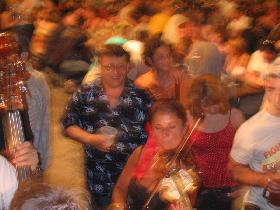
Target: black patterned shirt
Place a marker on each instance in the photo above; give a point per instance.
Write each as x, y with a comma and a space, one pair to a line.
90, 110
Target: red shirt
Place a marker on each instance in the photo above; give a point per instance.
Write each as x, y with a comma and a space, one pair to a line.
211, 154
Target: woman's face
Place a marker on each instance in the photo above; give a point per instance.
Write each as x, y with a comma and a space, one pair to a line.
211, 109
167, 129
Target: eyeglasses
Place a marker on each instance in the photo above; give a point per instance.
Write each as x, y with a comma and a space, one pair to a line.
118, 67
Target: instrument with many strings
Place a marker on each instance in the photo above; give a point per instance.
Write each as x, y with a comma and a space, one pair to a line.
13, 90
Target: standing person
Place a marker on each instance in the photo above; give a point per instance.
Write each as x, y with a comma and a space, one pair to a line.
212, 140
204, 57
114, 101
163, 80
254, 158
38, 101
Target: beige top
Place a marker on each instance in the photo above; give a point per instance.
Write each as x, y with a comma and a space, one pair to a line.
174, 87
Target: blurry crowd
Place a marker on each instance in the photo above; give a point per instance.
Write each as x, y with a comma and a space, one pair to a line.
68, 34
214, 57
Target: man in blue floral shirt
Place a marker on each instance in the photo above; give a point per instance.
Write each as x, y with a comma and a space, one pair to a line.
112, 101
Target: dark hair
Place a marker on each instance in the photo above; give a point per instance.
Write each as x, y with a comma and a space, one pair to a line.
142, 10
3, 6
169, 106
152, 45
114, 50
206, 90
268, 45
24, 35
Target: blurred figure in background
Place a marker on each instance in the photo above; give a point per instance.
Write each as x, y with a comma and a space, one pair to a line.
163, 80
204, 56
259, 64
237, 57
66, 53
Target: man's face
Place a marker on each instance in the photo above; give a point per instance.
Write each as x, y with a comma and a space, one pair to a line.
186, 30
272, 87
162, 59
114, 70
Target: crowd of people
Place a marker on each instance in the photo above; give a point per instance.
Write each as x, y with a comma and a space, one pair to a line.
177, 103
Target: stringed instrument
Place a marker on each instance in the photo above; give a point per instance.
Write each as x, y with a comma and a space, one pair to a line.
13, 90
173, 172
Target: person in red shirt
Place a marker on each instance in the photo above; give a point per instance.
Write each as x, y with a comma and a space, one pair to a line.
212, 140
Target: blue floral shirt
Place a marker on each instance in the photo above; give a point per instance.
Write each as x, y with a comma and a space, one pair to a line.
89, 109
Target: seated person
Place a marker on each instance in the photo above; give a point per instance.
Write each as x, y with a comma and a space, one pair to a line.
163, 80
139, 178
261, 62
25, 155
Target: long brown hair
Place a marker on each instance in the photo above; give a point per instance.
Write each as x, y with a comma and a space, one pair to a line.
207, 90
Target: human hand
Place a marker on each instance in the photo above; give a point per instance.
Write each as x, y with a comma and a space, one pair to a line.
102, 142
273, 182
25, 155
235, 193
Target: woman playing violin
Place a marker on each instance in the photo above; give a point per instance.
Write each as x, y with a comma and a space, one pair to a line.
144, 170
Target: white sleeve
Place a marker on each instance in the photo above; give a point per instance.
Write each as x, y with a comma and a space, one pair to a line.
243, 146
8, 182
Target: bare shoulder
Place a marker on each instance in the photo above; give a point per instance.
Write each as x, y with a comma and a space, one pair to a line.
237, 117
134, 157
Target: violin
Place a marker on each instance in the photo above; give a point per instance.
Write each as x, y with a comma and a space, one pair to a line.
170, 166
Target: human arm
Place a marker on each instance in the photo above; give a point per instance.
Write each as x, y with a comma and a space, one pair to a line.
99, 141
244, 175
121, 188
237, 118
253, 79
252, 76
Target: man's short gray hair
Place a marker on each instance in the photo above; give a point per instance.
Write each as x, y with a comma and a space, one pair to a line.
42, 196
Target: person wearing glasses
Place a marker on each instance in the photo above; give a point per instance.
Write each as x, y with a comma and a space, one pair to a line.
108, 117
